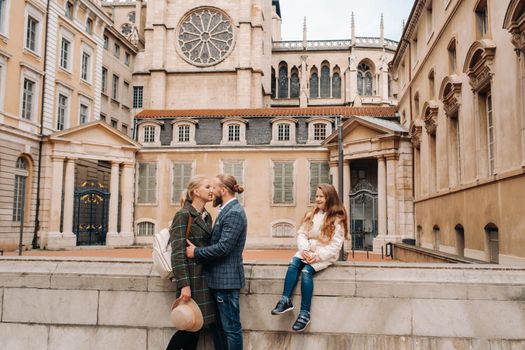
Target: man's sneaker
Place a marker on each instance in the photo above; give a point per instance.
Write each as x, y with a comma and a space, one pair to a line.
302, 321
284, 305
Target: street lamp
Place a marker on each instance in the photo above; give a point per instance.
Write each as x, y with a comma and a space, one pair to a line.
339, 126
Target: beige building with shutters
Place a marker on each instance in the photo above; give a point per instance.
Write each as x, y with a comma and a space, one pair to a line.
460, 71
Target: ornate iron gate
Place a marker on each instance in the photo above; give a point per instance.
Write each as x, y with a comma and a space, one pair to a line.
91, 214
363, 214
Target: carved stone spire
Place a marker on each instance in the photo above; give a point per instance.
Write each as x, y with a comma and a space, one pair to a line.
382, 31
353, 29
305, 40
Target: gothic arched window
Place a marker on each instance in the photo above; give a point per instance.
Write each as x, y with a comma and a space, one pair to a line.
325, 81
365, 85
295, 85
274, 84
336, 85
283, 81
314, 84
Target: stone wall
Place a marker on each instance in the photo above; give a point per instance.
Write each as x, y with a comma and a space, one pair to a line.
121, 304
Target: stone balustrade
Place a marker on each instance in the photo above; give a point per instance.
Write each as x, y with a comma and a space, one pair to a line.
72, 303
333, 44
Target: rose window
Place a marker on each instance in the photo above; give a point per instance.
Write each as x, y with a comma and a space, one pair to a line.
206, 36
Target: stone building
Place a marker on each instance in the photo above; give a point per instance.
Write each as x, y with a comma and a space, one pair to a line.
460, 71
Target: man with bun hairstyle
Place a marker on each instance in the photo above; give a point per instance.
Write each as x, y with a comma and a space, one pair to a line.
223, 258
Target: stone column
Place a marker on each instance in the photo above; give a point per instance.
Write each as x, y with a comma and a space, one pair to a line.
381, 205
346, 185
69, 199
303, 97
113, 202
126, 217
391, 195
522, 106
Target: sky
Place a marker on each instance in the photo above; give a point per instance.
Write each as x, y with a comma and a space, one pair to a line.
330, 19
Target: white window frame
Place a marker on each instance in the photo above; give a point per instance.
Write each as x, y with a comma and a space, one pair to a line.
291, 122
491, 139
148, 203
138, 88
272, 187
89, 29
67, 35
175, 197
39, 16
4, 30
240, 179
242, 131
26, 73
65, 91
104, 85
84, 101
156, 127
146, 221
86, 50
3, 70
311, 129
72, 14
184, 122
282, 222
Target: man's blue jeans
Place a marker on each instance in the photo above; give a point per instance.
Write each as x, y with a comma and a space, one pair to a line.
229, 319
307, 282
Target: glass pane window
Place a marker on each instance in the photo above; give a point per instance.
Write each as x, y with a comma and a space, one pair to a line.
85, 66
138, 94
62, 110
31, 34
145, 229
104, 79
83, 113
295, 85
283, 183
325, 82
184, 133
126, 59
319, 173
234, 132
314, 85
149, 134
490, 134
319, 131
3, 15
65, 53
19, 197
28, 99
89, 25
69, 9
364, 80
114, 90
181, 177
106, 42
116, 50
283, 82
147, 186
283, 132
336, 86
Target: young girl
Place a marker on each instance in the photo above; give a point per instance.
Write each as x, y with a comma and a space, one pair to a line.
188, 273
319, 240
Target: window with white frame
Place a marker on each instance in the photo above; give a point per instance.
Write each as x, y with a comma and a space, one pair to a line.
181, 176
147, 184
235, 168
138, 95
145, 228
32, 28
19, 195
149, 133
65, 53
234, 132
184, 133
83, 113
104, 80
3, 16
319, 173
28, 99
69, 9
490, 133
114, 87
63, 110
319, 131
283, 182
283, 132
89, 26
85, 72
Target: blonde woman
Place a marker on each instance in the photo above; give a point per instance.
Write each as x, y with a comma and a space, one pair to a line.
319, 240
188, 273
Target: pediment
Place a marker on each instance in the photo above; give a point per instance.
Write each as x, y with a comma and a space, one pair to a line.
95, 133
365, 128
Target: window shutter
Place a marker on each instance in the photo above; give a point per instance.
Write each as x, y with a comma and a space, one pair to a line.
288, 183
319, 173
142, 183
181, 177
152, 182
278, 183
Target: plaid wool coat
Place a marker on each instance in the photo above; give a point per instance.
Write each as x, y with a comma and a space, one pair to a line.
224, 265
186, 271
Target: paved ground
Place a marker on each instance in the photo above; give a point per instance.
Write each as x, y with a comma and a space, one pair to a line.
266, 254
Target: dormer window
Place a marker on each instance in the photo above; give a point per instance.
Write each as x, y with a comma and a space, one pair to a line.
234, 131
319, 129
183, 132
149, 134
283, 130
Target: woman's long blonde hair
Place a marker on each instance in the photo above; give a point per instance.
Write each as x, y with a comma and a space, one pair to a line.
187, 194
334, 209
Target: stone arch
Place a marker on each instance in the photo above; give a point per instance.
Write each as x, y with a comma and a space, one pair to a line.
514, 22
492, 242
415, 134
450, 94
295, 84
365, 77
336, 82
429, 116
314, 82
283, 80
478, 63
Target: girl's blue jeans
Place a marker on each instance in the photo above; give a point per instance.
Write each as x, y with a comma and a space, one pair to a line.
296, 267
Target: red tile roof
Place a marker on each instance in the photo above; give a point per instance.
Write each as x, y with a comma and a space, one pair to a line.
269, 112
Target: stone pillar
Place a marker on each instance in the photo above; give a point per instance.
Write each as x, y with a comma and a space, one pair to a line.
113, 202
522, 106
391, 195
381, 205
69, 199
303, 97
126, 236
384, 84
346, 185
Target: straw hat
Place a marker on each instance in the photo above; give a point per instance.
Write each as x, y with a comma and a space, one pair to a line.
186, 315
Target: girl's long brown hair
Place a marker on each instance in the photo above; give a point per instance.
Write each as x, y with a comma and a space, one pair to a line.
334, 209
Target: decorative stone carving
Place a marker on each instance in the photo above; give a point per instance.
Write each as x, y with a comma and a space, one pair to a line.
478, 64
430, 113
450, 95
515, 23
415, 135
205, 36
